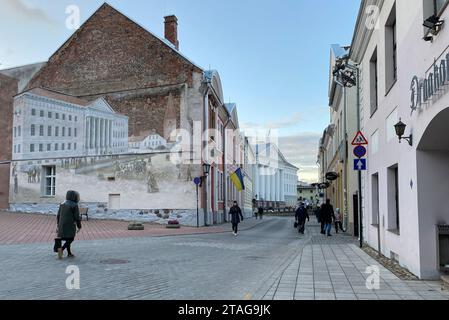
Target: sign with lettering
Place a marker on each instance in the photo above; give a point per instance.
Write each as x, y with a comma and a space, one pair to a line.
423, 90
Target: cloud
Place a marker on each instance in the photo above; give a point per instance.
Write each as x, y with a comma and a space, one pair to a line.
23, 13
301, 150
283, 123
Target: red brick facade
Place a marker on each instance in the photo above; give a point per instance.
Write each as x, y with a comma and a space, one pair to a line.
8, 89
112, 56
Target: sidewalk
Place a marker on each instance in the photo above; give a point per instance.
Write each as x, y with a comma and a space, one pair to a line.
18, 228
335, 268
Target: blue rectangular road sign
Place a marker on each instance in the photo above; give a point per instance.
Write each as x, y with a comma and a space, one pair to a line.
359, 164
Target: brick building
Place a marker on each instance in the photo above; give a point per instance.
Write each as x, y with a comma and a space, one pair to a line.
141, 76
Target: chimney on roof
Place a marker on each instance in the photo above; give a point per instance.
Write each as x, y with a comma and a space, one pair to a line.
171, 30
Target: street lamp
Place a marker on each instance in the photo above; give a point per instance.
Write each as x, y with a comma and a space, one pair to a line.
400, 130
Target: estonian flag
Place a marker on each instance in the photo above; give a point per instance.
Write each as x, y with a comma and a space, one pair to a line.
237, 180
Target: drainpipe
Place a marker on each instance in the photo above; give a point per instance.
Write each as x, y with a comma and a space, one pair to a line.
224, 182
204, 153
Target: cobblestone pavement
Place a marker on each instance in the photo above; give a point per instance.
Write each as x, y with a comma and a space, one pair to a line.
16, 228
268, 260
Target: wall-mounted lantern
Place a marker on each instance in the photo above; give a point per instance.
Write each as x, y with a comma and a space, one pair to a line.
400, 130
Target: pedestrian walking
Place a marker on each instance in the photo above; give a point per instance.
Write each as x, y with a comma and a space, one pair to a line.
338, 222
68, 220
326, 216
260, 213
236, 217
301, 215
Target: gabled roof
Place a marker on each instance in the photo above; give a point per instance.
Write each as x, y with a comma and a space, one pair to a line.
232, 110
107, 6
265, 146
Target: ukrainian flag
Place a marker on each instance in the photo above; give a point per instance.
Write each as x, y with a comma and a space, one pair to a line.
237, 179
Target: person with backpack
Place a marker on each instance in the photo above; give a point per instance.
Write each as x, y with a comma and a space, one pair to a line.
301, 215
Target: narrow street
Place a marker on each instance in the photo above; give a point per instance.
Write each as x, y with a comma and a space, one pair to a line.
268, 260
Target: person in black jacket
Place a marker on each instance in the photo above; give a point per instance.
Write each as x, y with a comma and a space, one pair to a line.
68, 221
327, 215
301, 215
236, 217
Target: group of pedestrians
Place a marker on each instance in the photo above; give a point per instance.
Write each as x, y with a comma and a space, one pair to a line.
325, 216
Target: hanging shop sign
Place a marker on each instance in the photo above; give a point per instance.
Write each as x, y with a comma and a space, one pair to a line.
424, 90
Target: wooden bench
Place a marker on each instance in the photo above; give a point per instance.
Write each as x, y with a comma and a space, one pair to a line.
84, 212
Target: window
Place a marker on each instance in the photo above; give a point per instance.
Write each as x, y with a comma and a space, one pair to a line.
56, 147
19, 131
41, 113
41, 147
56, 115
393, 199
75, 132
33, 130
49, 181
76, 118
15, 132
391, 69
50, 115
15, 149
63, 131
69, 146
56, 131
63, 116
41, 131
49, 131
18, 148
70, 132
31, 147
74, 146
70, 117
33, 112
62, 146
373, 83
49, 147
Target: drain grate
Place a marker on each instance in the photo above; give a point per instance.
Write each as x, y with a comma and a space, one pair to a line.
114, 261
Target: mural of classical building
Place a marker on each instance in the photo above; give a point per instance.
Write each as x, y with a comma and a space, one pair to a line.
113, 62
48, 124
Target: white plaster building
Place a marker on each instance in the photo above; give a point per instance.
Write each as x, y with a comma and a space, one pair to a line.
48, 124
275, 179
146, 141
406, 186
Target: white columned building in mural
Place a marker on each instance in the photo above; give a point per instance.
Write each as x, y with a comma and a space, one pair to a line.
48, 124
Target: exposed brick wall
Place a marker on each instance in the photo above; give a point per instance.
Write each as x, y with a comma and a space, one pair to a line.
111, 53
146, 111
8, 88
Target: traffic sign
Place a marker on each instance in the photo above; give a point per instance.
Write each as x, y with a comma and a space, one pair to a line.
359, 139
359, 164
197, 181
360, 151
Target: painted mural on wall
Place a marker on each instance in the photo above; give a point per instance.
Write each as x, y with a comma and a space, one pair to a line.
147, 181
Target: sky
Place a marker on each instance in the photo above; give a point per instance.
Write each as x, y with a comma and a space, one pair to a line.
272, 55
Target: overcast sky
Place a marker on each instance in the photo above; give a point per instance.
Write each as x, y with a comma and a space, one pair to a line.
272, 55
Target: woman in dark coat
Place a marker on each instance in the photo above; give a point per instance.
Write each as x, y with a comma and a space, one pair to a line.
236, 217
68, 219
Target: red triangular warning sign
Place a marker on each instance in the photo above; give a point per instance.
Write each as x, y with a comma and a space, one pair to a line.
359, 139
